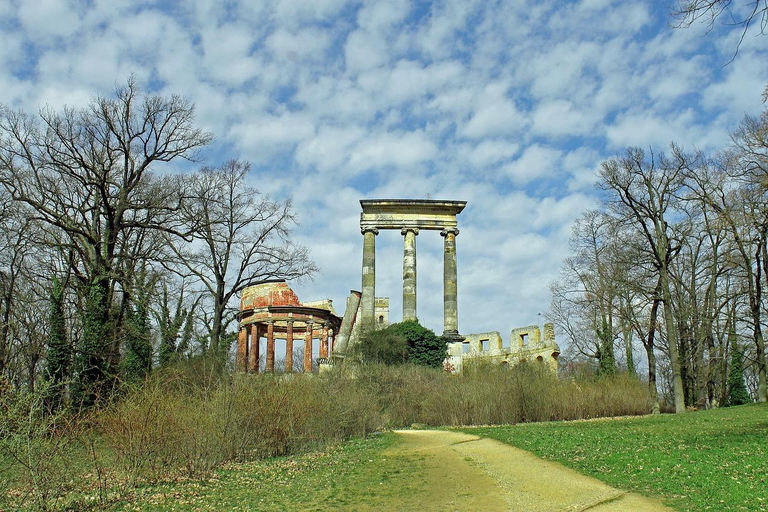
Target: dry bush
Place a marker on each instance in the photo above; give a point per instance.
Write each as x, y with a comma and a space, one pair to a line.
489, 394
37, 447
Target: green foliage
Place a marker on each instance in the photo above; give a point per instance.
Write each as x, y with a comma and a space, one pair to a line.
404, 342
187, 334
382, 346
737, 391
170, 325
425, 348
705, 460
91, 364
137, 362
606, 356
59, 353
355, 475
138, 343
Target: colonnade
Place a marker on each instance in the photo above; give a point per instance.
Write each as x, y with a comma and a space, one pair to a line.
450, 281
249, 336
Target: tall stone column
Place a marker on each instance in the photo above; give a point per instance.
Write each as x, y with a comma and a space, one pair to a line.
450, 285
253, 353
270, 367
409, 273
242, 350
368, 302
308, 349
289, 346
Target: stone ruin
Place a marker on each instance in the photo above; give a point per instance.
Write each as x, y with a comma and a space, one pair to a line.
525, 345
271, 309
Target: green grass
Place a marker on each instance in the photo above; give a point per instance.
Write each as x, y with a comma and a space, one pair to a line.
357, 475
708, 460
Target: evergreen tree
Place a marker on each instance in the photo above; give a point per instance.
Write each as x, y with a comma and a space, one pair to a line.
737, 391
425, 348
382, 346
59, 355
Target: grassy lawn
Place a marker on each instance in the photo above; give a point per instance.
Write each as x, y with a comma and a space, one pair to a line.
708, 460
357, 475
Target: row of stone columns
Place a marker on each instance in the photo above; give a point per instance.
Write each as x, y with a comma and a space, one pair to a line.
450, 281
252, 334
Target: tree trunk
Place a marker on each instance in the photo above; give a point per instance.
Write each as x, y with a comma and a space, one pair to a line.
649, 350
674, 356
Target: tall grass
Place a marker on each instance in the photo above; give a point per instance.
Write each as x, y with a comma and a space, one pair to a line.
186, 421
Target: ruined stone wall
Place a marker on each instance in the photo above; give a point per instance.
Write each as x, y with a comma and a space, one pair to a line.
526, 344
381, 308
268, 293
326, 304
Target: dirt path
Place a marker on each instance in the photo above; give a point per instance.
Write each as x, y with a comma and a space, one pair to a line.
466, 472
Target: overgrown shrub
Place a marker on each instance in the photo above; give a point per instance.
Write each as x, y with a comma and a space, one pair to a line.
188, 419
403, 342
37, 445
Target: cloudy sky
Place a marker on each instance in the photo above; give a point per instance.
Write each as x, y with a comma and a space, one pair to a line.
508, 105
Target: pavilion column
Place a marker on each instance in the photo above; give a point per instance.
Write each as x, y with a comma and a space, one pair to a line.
450, 284
242, 350
253, 353
270, 367
289, 347
368, 302
308, 349
409, 273
324, 342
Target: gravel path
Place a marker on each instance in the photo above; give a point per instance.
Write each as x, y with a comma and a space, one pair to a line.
466, 472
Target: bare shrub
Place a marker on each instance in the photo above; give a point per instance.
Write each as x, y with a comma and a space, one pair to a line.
37, 445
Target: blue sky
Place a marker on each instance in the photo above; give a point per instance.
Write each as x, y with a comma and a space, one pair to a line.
508, 105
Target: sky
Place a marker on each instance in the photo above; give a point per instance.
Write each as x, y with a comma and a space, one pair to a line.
508, 105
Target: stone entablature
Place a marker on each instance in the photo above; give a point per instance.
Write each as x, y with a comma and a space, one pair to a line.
526, 344
436, 214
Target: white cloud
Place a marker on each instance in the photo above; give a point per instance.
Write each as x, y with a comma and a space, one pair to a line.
45, 20
509, 106
304, 44
561, 117
536, 161
495, 114
398, 150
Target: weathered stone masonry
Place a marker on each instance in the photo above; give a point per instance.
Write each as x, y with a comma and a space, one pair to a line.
410, 216
526, 344
271, 309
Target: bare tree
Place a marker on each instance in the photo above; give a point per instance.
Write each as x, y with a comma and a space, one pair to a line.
238, 237
746, 14
644, 190
88, 174
585, 300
